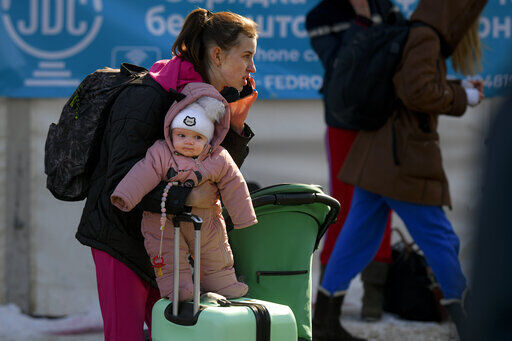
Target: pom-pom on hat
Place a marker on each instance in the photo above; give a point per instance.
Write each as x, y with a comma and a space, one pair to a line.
200, 116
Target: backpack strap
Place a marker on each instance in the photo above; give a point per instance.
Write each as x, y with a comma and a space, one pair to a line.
389, 12
383, 8
133, 70
417, 23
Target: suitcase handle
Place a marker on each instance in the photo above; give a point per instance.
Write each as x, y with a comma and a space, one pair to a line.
197, 222
261, 314
302, 199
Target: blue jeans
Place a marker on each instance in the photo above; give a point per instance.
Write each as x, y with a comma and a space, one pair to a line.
362, 233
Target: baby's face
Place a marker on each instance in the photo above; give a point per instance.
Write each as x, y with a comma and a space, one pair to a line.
188, 142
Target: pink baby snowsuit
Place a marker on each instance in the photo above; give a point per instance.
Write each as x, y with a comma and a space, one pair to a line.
213, 167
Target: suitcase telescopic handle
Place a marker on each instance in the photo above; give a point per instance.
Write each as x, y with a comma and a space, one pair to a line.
187, 217
197, 222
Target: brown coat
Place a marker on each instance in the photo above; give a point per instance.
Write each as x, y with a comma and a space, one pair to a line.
402, 160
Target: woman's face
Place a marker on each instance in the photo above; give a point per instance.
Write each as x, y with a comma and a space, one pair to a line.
233, 67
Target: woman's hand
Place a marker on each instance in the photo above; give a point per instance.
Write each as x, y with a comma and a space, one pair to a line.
240, 109
479, 85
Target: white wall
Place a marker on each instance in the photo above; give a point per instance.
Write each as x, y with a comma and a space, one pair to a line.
62, 269
288, 147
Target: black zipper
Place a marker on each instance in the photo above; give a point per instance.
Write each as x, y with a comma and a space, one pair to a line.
279, 273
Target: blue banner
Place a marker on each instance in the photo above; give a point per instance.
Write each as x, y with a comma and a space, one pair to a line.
49, 46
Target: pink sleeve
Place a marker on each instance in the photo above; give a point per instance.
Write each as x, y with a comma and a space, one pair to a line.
142, 178
235, 194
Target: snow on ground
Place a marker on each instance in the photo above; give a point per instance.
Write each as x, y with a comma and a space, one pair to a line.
15, 326
87, 326
390, 328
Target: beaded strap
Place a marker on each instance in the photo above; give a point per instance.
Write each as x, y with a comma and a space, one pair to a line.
158, 261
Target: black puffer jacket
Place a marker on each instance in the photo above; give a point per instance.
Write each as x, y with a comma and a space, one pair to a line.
327, 22
135, 123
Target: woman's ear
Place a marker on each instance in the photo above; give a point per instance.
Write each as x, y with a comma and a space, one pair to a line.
217, 55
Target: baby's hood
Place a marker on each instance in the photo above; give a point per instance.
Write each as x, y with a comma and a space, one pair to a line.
192, 92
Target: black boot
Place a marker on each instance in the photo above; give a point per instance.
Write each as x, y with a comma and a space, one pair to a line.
326, 319
374, 278
458, 313
458, 316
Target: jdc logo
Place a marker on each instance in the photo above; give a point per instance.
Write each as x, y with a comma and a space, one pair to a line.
52, 29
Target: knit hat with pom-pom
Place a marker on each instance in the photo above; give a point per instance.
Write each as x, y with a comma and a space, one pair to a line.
200, 116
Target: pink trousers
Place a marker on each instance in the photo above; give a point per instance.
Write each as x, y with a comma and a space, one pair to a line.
125, 299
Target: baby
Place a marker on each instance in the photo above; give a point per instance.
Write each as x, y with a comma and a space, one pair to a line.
191, 155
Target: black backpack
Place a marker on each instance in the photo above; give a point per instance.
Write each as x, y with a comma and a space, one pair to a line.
411, 290
359, 90
73, 144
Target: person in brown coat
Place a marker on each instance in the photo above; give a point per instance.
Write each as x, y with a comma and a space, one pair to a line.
399, 166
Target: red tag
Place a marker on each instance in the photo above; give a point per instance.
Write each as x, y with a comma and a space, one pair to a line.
158, 262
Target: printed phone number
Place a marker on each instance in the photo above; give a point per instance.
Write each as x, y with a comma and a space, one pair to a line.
498, 81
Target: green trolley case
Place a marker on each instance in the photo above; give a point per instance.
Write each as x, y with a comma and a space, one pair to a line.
274, 257
242, 319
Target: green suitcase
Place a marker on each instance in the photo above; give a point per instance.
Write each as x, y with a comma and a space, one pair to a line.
217, 322
242, 319
274, 257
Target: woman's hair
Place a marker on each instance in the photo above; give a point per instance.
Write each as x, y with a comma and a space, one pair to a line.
467, 56
203, 29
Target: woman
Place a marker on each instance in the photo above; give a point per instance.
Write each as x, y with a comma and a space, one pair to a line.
399, 166
216, 48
